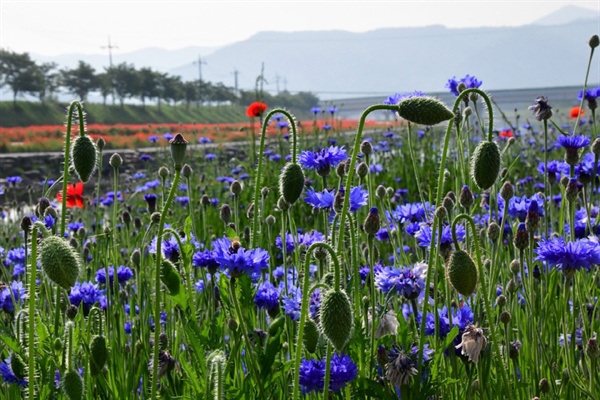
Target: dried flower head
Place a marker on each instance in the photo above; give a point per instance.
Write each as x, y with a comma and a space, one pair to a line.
473, 341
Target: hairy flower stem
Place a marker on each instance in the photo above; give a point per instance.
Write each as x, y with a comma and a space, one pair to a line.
157, 282
327, 372
488, 310
414, 164
259, 168
587, 75
351, 171
32, 297
546, 186
304, 307
370, 246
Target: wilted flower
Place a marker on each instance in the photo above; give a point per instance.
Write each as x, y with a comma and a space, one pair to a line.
541, 109
473, 341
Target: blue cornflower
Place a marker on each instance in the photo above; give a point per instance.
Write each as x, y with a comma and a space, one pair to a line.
312, 373
323, 160
199, 285
231, 256
168, 136
554, 169
8, 375
267, 297
16, 258
518, 206
424, 235
139, 175
153, 139
74, 226
292, 303
315, 110
182, 200
406, 282
169, 248
332, 109
13, 180
6, 299
153, 184
325, 199
86, 293
210, 156
145, 157
204, 140
591, 96
574, 142
302, 238
411, 212
1, 190
469, 81
124, 274
205, 259
569, 257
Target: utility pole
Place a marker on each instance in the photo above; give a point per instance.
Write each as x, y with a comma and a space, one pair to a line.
109, 47
284, 84
199, 62
235, 80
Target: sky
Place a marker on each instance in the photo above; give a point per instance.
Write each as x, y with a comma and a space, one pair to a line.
51, 27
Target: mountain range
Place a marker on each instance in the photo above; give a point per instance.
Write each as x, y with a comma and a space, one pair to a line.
550, 52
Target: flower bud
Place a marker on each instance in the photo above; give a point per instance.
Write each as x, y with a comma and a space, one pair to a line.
493, 232
501, 301
136, 257
544, 386
485, 164
594, 41
380, 192
505, 317
424, 110
572, 190
362, 170
98, 354
366, 148
26, 224
225, 213
521, 240
461, 272
72, 385
163, 172
336, 318
155, 217
186, 171
264, 192
59, 261
101, 143
236, 188
465, 198
115, 161
532, 220
591, 348
372, 222
291, 182
507, 192
311, 336
340, 170
205, 200
270, 220
282, 204
84, 156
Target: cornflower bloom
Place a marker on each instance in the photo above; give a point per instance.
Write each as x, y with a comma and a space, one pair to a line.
341, 372
568, 257
469, 81
233, 257
323, 160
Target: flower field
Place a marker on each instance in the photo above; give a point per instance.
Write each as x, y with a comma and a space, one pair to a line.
436, 257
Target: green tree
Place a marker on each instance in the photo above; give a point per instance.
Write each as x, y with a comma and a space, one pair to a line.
105, 86
125, 81
191, 93
81, 80
173, 89
150, 85
20, 73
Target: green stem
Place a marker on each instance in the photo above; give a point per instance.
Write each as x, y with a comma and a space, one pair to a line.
587, 75
304, 307
488, 310
157, 291
259, 168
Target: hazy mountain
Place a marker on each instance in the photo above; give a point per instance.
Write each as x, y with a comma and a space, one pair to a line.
553, 51
568, 14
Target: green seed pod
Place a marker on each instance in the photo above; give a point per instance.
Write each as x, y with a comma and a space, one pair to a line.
424, 110
18, 366
72, 385
291, 182
170, 277
462, 273
336, 318
178, 148
485, 164
60, 261
84, 156
98, 354
311, 336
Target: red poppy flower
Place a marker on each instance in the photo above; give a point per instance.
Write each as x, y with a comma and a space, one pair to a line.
575, 112
256, 109
506, 134
74, 195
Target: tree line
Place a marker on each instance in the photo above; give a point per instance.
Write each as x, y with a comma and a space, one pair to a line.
22, 75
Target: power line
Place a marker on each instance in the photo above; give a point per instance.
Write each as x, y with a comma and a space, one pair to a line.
109, 47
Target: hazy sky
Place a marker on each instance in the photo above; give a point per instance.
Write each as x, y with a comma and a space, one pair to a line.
53, 27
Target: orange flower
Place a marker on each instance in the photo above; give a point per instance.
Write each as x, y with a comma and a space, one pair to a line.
575, 112
256, 109
74, 195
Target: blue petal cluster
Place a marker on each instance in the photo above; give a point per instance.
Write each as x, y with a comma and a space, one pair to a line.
341, 372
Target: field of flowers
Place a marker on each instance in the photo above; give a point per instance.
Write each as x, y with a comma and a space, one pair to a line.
433, 258
131, 136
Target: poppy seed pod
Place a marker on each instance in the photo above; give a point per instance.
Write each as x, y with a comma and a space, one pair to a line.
84, 156
291, 182
424, 110
461, 272
72, 385
18, 366
178, 148
60, 261
170, 277
336, 318
485, 164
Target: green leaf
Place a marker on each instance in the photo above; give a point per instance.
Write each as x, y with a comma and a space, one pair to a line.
231, 234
